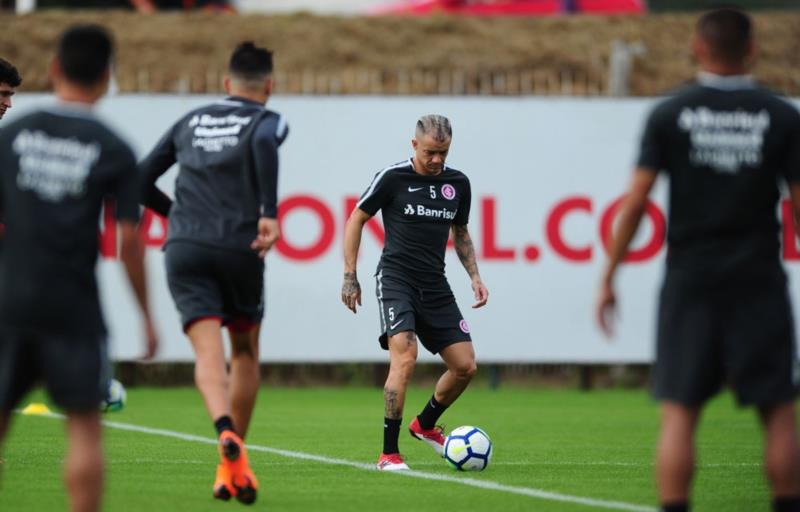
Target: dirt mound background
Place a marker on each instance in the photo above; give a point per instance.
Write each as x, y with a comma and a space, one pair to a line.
436, 55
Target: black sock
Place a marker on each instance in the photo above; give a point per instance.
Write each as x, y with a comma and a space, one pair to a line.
391, 431
675, 507
786, 504
432, 411
223, 423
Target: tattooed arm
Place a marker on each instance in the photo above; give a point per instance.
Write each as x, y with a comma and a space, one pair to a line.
466, 253
351, 290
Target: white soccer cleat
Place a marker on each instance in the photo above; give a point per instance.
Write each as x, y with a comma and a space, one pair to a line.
434, 437
391, 462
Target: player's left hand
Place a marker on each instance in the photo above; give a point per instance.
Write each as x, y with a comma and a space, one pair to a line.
351, 291
150, 340
481, 294
606, 308
268, 233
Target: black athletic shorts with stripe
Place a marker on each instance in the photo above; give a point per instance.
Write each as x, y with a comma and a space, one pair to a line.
213, 282
431, 312
735, 329
74, 368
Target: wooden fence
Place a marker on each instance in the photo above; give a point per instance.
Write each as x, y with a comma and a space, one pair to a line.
451, 82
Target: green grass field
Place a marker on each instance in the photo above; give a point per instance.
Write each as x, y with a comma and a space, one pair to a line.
596, 445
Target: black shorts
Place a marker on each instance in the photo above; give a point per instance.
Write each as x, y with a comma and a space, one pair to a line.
73, 368
737, 331
211, 282
430, 312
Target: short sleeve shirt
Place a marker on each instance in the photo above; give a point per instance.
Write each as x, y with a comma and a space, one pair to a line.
418, 211
58, 168
725, 145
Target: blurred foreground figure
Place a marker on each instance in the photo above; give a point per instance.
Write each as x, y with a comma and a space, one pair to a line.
724, 316
9, 81
221, 226
59, 164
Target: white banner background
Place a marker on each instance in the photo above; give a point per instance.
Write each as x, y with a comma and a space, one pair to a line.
526, 155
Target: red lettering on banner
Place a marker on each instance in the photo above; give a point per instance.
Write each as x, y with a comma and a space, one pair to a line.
108, 231
491, 251
372, 224
652, 247
326, 220
553, 228
153, 228
791, 252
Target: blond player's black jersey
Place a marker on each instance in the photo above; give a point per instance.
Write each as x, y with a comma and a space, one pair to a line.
418, 211
725, 144
57, 167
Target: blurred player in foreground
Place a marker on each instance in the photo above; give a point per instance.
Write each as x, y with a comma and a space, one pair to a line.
58, 165
422, 201
9, 81
724, 314
221, 225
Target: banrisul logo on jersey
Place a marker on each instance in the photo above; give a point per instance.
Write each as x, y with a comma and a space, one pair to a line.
725, 140
430, 213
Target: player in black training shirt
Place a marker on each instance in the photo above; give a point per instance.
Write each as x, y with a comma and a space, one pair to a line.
57, 167
724, 314
422, 202
221, 225
9, 81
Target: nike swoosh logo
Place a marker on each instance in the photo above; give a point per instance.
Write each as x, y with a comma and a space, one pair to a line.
460, 449
396, 324
411, 189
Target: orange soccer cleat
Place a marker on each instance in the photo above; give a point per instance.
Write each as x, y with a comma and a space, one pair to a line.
223, 485
234, 459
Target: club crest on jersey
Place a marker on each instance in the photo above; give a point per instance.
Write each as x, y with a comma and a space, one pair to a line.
463, 326
448, 191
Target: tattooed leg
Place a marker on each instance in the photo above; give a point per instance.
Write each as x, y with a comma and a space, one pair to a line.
403, 358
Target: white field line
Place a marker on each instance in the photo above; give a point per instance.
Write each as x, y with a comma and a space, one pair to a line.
470, 482
545, 464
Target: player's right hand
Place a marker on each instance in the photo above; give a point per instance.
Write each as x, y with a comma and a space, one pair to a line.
268, 233
351, 291
150, 341
606, 308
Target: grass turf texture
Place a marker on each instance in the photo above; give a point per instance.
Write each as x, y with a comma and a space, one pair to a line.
597, 445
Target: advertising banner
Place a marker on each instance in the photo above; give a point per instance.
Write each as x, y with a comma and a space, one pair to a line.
547, 177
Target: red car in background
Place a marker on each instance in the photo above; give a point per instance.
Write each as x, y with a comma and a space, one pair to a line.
512, 7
